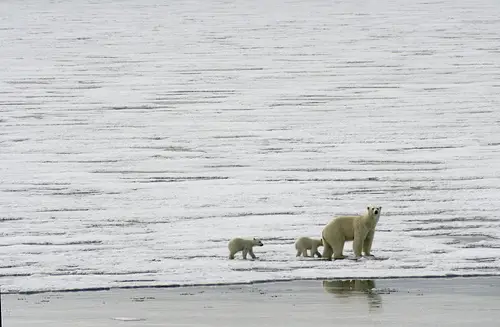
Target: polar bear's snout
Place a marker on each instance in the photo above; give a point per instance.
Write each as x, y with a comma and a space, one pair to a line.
376, 210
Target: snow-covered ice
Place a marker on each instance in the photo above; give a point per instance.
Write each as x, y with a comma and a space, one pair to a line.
138, 137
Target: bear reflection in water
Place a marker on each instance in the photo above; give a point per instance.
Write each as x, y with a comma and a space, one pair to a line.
352, 288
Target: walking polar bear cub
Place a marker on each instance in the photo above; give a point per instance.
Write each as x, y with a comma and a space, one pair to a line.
306, 243
241, 244
360, 229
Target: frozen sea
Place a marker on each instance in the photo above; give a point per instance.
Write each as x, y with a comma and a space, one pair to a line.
138, 137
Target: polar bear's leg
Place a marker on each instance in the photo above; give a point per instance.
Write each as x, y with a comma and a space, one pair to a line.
250, 251
338, 248
304, 253
315, 252
327, 250
245, 252
299, 252
357, 244
367, 244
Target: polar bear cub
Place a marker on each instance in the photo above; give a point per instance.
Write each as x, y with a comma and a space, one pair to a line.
241, 244
360, 229
306, 243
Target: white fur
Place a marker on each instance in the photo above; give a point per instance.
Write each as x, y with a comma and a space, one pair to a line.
306, 243
360, 229
245, 245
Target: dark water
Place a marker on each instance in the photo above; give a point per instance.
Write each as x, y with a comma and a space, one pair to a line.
389, 302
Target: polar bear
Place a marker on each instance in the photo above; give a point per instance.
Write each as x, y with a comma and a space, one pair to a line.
241, 244
306, 243
343, 287
359, 229
347, 288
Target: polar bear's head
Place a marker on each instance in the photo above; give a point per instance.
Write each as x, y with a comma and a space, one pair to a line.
257, 242
374, 211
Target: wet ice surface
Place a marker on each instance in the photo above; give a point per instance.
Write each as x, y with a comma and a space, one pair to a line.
388, 302
136, 138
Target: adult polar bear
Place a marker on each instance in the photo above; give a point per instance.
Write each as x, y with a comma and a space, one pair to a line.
359, 229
